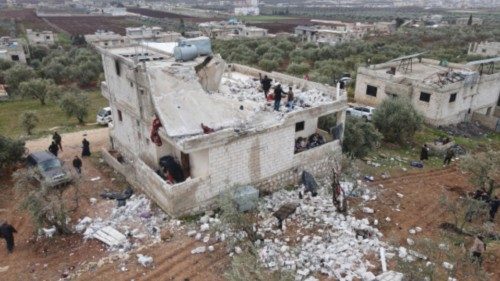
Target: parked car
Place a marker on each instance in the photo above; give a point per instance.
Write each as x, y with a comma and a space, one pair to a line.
48, 169
364, 112
104, 116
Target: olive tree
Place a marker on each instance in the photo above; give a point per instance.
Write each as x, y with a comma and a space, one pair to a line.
28, 121
40, 89
484, 168
17, 74
397, 119
360, 137
11, 151
75, 105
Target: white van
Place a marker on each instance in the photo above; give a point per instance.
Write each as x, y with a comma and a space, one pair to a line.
104, 116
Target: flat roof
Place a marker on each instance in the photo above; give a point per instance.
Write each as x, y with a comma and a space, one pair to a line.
421, 71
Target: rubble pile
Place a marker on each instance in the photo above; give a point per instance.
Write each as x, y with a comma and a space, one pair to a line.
325, 241
135, 220
245, 88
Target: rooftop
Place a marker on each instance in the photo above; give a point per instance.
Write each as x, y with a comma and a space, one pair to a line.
234, 101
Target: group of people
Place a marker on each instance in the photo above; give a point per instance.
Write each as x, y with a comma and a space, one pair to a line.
493, 202
278, 93
312, 141
56, 146
424, 154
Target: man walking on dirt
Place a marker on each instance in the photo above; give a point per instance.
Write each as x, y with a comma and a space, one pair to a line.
424, 153
53, 148
449, 155
477, 250
7, 232
77, 163
58, 140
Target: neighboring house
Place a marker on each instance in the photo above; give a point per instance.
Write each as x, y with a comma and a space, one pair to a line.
465, 21
231, 29
105, 39
150, 34
445, 93
246, 8
12, 50
159, 105
487, 49
334, 32
40, 37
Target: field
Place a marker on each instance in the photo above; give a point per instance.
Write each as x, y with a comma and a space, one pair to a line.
50, 116
27, 18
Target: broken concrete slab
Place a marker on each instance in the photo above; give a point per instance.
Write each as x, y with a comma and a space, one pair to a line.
110, 236
390, 276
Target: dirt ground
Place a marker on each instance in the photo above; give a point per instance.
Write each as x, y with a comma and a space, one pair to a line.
50, 258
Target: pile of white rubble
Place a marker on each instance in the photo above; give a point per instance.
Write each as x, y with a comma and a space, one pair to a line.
135, 221
323, 241
243, 88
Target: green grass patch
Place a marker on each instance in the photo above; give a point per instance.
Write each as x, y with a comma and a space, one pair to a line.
50, 116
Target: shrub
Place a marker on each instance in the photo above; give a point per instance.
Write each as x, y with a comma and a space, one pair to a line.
75, 105
268, 65
484, 168
40, 89
397, 119
17, 74
360, 137
298, 69
29, 121
11, 151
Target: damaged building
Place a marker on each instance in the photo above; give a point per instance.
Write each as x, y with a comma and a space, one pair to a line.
188, 126
231, 29
12, 50
45, 37
445, 93
133, 35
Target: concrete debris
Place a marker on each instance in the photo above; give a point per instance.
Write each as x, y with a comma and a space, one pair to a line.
410, 241
448, 265
238, 250
443, 247
204, 227
388, 219
95, 179
418, 229
390, 276
4, 268
199, 250
368, 210
128, 221
145, 261
93, 200
402, 253
412, 231
49, 232
400, 195
211, 248
191, 233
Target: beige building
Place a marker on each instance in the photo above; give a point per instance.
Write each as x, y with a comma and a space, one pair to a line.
105, 39
231, 29
334, 32
45, 37
487, 49
150, 34
445, 93
213, 119
12, 50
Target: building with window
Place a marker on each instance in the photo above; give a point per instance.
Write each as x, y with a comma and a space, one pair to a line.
486, 49
230, 29
12, 50
445, 93
45, 37
187, 129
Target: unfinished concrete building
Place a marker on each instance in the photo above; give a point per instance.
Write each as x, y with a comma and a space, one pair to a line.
45, 37
105, 39
12, 50
333, 32
486, 49
214, 122
150, 34
445, 93
230, 29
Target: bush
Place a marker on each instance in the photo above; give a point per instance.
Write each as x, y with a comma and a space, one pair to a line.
298, 69
360, 137
28, 121
18, 74
75, 105
484, 168
397, 120
268, 65
40, 89
11, 151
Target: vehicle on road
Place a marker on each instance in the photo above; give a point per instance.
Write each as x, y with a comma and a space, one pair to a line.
364, 112
48, 169
104, 116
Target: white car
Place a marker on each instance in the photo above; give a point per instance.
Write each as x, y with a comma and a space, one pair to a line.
104, 116
364, 112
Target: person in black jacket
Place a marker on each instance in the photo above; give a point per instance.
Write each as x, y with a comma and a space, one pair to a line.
424, 153
77, 163
58, 140
7, 232
266, 84
85, 148
53, 148
278, 94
